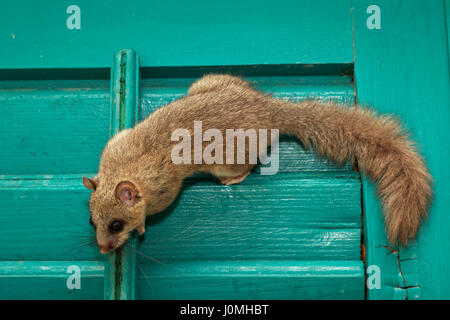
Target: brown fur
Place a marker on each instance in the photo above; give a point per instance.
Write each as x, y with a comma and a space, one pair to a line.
141, 155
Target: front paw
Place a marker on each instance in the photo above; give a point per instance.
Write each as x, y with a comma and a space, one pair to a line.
233, 180
141, 229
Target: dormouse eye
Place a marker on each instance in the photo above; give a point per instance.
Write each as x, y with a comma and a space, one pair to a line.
116, 226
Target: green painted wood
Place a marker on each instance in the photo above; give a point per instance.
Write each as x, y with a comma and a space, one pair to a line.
41, 119
447, 14
121, 264
50, 132
403, 69
11, 269
290, 216
308, 216
338, 88
254, 280
45, 218
48, 280
202, 33
307, 243
49, 289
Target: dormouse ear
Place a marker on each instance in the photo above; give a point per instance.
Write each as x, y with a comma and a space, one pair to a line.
127, 193
90, 183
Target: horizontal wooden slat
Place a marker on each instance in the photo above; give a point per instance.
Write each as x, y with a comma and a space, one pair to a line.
158, 92
47, 128
252, 280
48, 280
198, 33
283, 203
45, 218
293, 158
287, 216
13, 269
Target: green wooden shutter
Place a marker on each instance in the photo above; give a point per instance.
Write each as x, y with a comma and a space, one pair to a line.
293, 235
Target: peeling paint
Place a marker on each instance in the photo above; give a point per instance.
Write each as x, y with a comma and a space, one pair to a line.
396, 254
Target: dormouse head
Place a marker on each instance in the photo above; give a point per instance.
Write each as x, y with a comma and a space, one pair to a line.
116, 210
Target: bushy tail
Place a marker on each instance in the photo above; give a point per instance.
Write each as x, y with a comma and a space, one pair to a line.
382, 148
383, 152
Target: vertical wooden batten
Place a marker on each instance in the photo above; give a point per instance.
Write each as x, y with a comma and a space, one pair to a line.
402, 68
120, 265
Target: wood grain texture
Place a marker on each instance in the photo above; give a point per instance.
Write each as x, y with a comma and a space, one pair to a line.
158, 92
403, 69
48, 280
40, 120
45, 218
201, 33
253, 280
286, 216
49, 130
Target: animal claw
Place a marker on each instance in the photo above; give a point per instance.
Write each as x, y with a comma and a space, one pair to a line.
141, 229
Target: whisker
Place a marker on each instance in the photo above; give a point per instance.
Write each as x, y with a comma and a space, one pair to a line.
177, 234
145, 275
127, 249
83, 237
189, 236
151, 258
82, 244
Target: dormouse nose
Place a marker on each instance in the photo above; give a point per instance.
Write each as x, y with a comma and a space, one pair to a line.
105, 248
